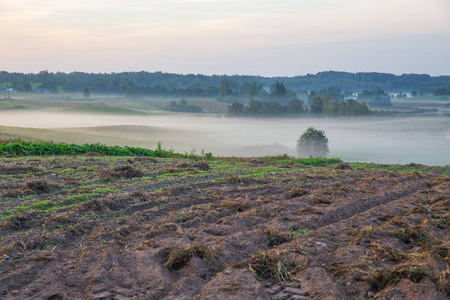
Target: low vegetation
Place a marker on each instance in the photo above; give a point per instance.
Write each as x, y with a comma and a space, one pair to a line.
183, 106
24, 148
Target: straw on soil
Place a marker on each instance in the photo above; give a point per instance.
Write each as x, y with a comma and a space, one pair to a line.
121, 172
181, 255
270, 265
343, 166
379, 279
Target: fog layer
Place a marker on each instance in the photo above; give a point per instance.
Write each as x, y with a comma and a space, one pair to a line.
379, 140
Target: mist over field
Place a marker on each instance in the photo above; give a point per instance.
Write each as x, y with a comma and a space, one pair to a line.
378, 140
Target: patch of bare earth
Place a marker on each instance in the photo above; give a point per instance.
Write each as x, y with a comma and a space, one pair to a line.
294, 233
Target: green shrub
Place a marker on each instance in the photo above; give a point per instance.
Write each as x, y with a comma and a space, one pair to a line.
312, 143
24, 148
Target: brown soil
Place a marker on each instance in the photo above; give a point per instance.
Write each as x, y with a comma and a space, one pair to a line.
121, 172
343, 166
294, 233
8, 169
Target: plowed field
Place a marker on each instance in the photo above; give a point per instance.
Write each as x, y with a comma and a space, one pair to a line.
91, 227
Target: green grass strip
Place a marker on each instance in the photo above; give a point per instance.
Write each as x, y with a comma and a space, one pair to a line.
24, 148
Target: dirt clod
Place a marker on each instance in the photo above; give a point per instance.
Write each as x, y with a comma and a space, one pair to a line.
343, 166
298, 192
121, 172
203, 165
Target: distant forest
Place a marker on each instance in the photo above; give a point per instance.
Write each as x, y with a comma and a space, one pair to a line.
136, 84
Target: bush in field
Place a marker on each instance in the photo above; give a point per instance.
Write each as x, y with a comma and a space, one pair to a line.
312, 143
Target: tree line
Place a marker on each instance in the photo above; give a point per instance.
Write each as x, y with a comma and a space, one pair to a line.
325, 107
327, 102
443, 91
336, 108
261, 108
237, 86
183, 106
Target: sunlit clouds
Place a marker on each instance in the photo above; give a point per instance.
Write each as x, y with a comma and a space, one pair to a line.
286, 37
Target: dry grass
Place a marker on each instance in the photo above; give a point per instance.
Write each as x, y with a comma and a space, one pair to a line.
346, 270
382, 252
270, 265
179, 189
381, 278
441, 251
275, 237
202, 165
121, 172
111, 202
308, 211
409, 235
38, 186
181, 255
444, 282
238, 204
11, 169
322, 200
297, 192
23, 220
343, 166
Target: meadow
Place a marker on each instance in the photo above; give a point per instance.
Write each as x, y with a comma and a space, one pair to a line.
114, 120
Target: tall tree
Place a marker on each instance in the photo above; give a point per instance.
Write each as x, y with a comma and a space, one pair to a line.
316, 106
278, 90
225, 87
86, 92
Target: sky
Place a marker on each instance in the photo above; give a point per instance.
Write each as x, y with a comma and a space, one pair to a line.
250, 37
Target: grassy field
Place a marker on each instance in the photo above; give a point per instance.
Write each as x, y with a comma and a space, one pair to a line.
112, 119
102, 109
429, 99
428, 102
74, 100
91, 226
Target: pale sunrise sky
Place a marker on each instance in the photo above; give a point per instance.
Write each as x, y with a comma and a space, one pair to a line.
252, 37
